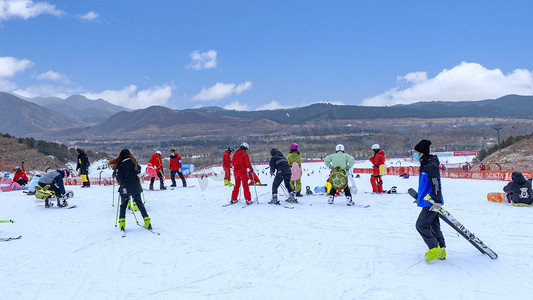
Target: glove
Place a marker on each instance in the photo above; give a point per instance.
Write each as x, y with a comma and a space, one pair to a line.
436, 207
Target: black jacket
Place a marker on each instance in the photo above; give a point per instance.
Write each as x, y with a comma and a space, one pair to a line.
127, 178
519, 189
280, 164
83, 163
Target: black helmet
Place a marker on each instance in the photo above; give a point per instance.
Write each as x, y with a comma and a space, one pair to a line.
17, 168
230, 149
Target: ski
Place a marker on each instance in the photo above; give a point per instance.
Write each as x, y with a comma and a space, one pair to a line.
10, 238
360, 205
450, 220
228, 204
7, 221
151, 230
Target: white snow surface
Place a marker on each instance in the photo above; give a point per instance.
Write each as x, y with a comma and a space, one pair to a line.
314, 251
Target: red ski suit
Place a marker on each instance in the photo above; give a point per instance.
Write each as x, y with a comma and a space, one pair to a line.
241, 162
226, 165
175, 163
155, 160
375, 179
20, 174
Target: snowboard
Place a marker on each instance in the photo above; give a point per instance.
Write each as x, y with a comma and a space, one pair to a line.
497, 197
296, 172
150, 171
450, 220
320, 189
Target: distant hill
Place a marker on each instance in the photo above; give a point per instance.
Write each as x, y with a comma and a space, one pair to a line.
511, 106
79, 107
23, 118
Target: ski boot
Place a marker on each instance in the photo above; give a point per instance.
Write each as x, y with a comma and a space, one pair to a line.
46, 203
59, 204
122, 223
249, 202
162, 187
330, 199
349, 201
173, 185
147, 223
442, 254
433, 253
274, 199
298, 194
151, 188
231, 201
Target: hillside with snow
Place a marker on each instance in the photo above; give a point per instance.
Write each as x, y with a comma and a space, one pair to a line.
313, 251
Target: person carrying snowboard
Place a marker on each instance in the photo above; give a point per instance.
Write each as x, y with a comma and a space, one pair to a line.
127, 170
55, 181
377, 160
295, 156
428, 224
176, 167
226, 165
340, 163
83, 167
20, 177
241, 163
280, 166
157, 164
519, 190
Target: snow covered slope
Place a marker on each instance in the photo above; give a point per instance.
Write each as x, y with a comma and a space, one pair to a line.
314, 251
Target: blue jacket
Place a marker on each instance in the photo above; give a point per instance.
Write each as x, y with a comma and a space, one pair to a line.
429, 181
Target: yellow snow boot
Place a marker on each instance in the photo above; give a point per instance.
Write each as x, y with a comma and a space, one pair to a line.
433, 253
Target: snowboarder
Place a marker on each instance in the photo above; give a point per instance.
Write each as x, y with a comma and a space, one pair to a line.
55, 181
280, 165
6, 185
342, 161
377, 160
157, 163
428, 224
241, 163
20, 177
127, 170
226, 164
83, 167
176, 167
295, 156
519, 190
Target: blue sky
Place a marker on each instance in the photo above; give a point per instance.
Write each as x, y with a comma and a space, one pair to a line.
266, 54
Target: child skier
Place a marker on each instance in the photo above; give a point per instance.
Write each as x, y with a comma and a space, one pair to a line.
428, 224
280, 165
226, 164
127, 173
377, 160
344, 161
157, 163
295, 156
241, 163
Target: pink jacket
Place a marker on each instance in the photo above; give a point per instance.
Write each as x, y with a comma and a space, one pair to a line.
6, 185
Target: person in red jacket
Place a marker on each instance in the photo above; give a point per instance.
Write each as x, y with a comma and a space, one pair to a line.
377, 160
241, 162
157, 163
176, 167
20, 177
226, 165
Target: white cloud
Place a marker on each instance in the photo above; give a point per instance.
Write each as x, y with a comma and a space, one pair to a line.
90, 16
9, 66
466, 81
130, 97
26, 9
46, 90
272, 106
221, 90
53, 76
235, 105
204, 60
6, 85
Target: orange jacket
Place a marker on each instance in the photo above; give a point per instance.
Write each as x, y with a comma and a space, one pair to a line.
377, 160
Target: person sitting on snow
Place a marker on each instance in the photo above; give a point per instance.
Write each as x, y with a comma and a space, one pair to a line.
519, 190
6, 185
20, 177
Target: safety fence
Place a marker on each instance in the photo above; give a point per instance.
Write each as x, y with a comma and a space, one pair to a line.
105, 179
483, 175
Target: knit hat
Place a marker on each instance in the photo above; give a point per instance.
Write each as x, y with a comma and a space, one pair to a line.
423, 147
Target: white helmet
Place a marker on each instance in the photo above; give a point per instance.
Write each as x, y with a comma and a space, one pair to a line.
340, 147
158, 152
375, 147
245, 145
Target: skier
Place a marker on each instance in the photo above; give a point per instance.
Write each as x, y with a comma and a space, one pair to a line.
428, 224
241, 163
226, 164
127, 172
6, 185
157, 163
20, 177
176, 167
377, 160
279, 164
295, 156
344, 161
83, 167
519, 190
55, 180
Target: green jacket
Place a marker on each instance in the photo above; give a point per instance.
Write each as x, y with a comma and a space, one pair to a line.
294, 157
339, 159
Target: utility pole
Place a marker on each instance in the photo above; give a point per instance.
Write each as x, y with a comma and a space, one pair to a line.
498, 128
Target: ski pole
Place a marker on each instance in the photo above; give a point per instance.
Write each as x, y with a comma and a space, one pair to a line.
7, 221
284, 190
114, 193
255, 188
116, 219
142, 192
133, 210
